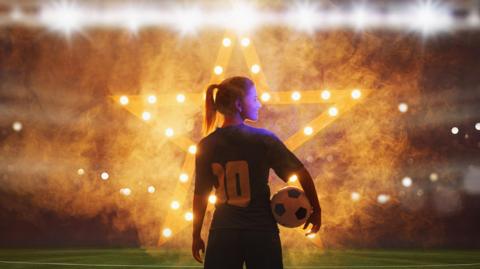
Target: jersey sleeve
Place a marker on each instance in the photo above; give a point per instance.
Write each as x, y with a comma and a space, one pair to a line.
280, 158
204, 177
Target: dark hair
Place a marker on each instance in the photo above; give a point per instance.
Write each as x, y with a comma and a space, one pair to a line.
223, 100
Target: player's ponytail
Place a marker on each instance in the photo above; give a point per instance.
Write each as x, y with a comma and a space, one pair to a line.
210, 110
223, 100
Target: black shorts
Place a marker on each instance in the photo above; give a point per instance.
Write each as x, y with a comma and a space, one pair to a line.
229, 249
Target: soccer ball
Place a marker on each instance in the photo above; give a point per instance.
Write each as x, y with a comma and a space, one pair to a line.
290, 207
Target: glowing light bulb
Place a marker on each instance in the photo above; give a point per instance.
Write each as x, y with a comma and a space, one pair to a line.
296, 96
17, 126
167, 232
325, 94
212, 199
227, 42
293, 178
192, 149
218, 70
180, 98
183, 177
433, 177
265, 96
104, 175
188, 216
80, 171
126, 191
124, 100
175, 205
255, 68
308, 130
152, 99
403, 107
455, 130
477, 126
333, 111
355, 196
383, 198
146, 116
407, 182
356, 94
245, 41
151, 189
169, 132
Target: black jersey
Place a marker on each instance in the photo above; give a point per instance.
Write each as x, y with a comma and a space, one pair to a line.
236, 160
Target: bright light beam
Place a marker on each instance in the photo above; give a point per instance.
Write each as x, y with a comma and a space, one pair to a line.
429, 17
64, 17
303, 17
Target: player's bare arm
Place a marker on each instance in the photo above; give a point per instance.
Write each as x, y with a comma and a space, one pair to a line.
309, 188
200, 203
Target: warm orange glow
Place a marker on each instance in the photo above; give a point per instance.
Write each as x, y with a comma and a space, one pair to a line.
212, 199
123, 100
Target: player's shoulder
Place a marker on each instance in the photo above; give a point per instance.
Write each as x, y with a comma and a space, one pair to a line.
262, 134
257, 130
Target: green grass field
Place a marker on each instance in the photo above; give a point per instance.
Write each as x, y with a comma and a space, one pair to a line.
142, 258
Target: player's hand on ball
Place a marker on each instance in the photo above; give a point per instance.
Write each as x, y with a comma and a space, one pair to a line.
316, 220
198, 245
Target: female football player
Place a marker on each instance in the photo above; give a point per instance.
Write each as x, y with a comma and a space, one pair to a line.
235, 159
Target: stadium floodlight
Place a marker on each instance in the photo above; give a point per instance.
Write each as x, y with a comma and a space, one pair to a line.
430, 17
132, 19
303, 16
360, 17
16, 14
64, 16
474, 19
188, 20
243, 17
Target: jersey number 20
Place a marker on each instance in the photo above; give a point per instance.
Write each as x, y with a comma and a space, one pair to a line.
233, 183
